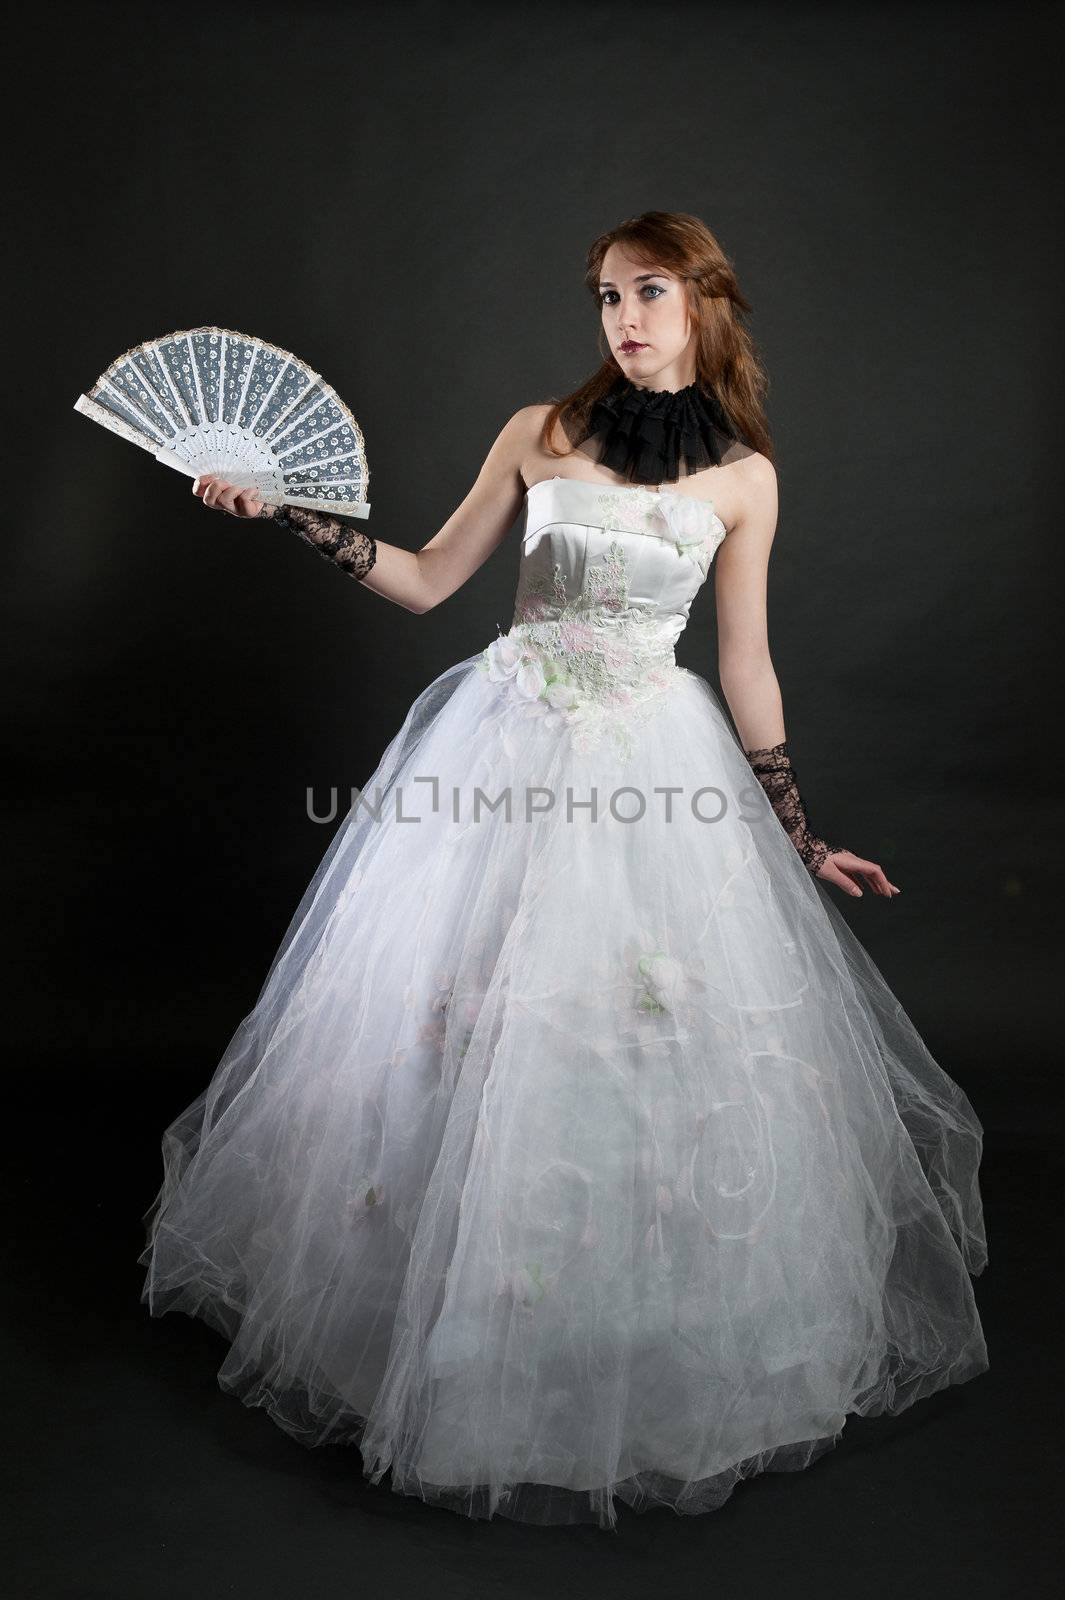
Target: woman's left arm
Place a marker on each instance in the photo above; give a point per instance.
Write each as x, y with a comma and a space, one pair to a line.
750, 686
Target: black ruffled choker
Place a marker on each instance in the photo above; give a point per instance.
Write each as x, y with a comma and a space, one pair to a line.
645, 434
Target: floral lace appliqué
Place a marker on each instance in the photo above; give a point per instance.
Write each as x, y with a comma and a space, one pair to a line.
691, 526
592, 663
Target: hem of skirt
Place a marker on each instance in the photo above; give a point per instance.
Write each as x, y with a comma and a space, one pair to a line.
541, 1502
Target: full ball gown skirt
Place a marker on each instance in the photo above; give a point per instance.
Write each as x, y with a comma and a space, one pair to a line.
581, 1153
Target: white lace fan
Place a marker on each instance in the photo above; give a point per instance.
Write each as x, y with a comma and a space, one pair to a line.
210, 400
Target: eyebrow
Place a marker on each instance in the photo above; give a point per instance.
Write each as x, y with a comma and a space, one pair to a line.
605, 283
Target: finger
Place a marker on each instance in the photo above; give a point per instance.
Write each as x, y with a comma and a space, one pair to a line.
875, 875
200, 484
220, 495
835, 866
228, 499
248, 502
871, 871
840, 879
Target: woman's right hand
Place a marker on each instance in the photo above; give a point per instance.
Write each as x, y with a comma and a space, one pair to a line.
222, 496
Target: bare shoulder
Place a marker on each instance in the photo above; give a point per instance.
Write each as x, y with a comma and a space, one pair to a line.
527, 423
536, 458
754, 492
756, 475
534, 414
511, 448
519, 436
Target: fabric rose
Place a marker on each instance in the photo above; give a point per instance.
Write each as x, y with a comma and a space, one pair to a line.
693, 527
503, 658
662, 980
531, 680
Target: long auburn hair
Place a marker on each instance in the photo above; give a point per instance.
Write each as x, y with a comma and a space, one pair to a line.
726, 358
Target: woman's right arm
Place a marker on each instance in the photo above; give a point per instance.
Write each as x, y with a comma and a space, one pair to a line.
418, 580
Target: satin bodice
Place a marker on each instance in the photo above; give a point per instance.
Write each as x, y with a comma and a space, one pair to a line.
614, 554
605, 585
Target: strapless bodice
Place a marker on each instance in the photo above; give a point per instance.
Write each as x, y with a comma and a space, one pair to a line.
611, 555
605, 585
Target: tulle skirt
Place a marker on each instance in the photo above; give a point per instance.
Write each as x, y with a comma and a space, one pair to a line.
574, 1152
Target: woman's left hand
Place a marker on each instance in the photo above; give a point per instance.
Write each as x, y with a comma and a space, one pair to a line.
844, 868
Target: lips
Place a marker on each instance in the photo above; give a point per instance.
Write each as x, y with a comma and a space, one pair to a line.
631, 345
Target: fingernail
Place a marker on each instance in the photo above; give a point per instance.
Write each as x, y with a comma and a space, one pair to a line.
856, 891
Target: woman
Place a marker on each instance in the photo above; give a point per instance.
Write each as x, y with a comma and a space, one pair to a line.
575, 1151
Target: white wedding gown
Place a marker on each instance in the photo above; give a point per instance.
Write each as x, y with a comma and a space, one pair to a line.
575, 1156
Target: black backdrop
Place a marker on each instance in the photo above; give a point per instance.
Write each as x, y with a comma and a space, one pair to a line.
403, 195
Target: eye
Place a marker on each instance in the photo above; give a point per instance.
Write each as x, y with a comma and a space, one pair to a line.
654, 289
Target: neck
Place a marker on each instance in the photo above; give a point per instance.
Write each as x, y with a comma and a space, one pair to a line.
673, 378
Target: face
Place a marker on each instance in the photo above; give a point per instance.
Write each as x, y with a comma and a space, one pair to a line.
645, 317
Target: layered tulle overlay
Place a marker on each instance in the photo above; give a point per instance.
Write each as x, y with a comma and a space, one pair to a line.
576, 1154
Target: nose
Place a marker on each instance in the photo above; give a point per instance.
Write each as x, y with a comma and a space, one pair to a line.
626, 322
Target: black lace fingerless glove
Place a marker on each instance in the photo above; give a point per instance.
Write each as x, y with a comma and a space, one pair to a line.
351, 549
774, 771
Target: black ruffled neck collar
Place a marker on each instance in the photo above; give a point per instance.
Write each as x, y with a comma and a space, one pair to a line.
645, 434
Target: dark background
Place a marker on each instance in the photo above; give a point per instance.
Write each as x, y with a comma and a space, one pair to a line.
403, 195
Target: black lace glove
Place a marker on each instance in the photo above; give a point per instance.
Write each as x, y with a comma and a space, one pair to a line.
774, 771
351, 549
